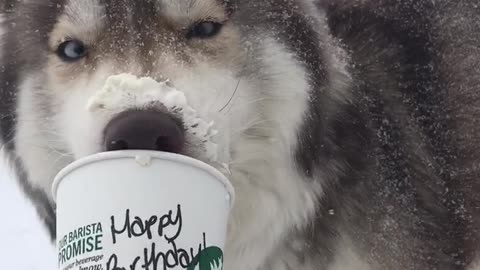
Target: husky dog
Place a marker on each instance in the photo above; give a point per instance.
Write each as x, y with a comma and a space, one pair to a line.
351, 127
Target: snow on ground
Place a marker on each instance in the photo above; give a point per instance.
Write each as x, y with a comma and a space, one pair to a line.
24, 244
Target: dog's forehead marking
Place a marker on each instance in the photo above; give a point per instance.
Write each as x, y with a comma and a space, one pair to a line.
190, 3
84, 13
182, 11
90, 13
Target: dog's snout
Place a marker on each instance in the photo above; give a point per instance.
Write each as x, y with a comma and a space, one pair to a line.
144, 130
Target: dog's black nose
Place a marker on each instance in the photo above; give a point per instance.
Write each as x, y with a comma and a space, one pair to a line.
144, 130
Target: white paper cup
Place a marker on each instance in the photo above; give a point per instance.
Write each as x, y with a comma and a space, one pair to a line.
141, 210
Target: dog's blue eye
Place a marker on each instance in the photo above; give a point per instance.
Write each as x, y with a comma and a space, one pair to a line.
204, 30
71, 50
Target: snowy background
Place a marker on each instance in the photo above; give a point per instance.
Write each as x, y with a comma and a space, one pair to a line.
24, 244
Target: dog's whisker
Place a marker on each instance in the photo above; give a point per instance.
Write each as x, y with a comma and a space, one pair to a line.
253, 125
241, 106
232, 97
57, 160
51, 149
243, 161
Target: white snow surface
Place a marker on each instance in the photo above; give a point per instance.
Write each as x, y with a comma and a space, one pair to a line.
24, 243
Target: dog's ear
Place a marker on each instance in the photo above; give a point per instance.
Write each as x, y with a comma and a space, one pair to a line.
312, 2
314, 6
7, 6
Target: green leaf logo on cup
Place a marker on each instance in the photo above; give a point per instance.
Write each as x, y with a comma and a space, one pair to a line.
210, 258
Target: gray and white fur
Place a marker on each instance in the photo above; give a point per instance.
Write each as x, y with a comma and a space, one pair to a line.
351, 125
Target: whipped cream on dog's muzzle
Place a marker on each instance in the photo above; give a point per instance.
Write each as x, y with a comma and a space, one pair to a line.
125, 91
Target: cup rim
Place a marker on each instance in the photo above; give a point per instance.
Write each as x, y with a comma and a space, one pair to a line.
142, 153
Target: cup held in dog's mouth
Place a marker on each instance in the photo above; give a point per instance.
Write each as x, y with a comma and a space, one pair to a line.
141, 210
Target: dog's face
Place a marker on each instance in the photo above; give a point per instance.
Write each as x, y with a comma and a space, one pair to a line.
249, 66
192, 44
226, 57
